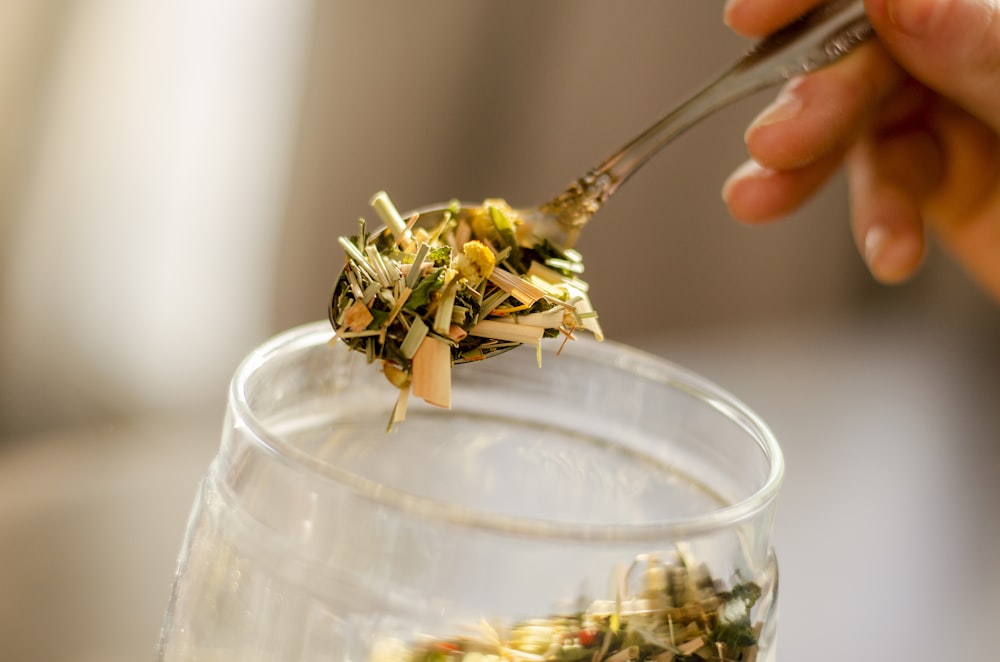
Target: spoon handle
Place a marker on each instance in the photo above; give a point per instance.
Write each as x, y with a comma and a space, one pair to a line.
816, 39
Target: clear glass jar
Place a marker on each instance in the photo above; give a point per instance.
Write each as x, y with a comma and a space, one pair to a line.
603, 500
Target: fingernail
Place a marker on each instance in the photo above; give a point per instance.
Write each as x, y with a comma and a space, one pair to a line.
892, 258
747, 170
785, 106
916, 18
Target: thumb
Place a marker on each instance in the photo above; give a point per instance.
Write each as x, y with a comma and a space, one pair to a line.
951, 46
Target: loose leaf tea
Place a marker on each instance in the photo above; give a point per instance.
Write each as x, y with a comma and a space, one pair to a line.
472, 284
679, 614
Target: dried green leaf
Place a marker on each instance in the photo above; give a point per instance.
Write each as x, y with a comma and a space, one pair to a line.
425, 289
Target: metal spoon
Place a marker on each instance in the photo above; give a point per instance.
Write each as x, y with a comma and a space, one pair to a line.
816, 39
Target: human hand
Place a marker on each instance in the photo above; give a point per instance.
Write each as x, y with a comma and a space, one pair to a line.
914, 116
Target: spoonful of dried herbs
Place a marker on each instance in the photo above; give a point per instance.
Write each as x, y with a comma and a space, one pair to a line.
459, 282
453, 284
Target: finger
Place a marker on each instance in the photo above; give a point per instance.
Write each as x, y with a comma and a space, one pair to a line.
976, 245
755, 194
816, 114
758, 18
886, 199
964, 209
952, 46
907, 103
972, 166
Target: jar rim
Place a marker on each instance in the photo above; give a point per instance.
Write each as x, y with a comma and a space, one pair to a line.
607, 352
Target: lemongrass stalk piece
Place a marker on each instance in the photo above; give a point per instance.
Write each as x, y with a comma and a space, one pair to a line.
359, 334
432, 372
390, 216
492, 301
516, 286
399, 409
413, 274
459, 313
403, 296
442, 317
414, 337
373, 288
549, 319
358, 257
539, 270
566, 265
508, 331
585, 311
352, 282
378, 265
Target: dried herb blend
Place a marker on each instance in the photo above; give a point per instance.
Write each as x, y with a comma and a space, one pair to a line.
474, 282
681, 614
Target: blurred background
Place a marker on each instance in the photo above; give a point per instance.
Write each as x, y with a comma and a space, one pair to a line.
173, 178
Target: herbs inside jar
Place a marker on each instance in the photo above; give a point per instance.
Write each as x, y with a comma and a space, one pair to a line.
679, 613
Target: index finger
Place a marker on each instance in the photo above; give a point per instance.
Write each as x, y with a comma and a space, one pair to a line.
759, 18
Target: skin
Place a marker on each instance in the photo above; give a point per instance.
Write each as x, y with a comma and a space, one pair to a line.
915, 119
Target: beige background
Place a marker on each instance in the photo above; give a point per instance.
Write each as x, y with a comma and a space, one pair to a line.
173, 177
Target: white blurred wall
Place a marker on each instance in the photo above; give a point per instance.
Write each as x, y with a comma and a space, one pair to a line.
146, 150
